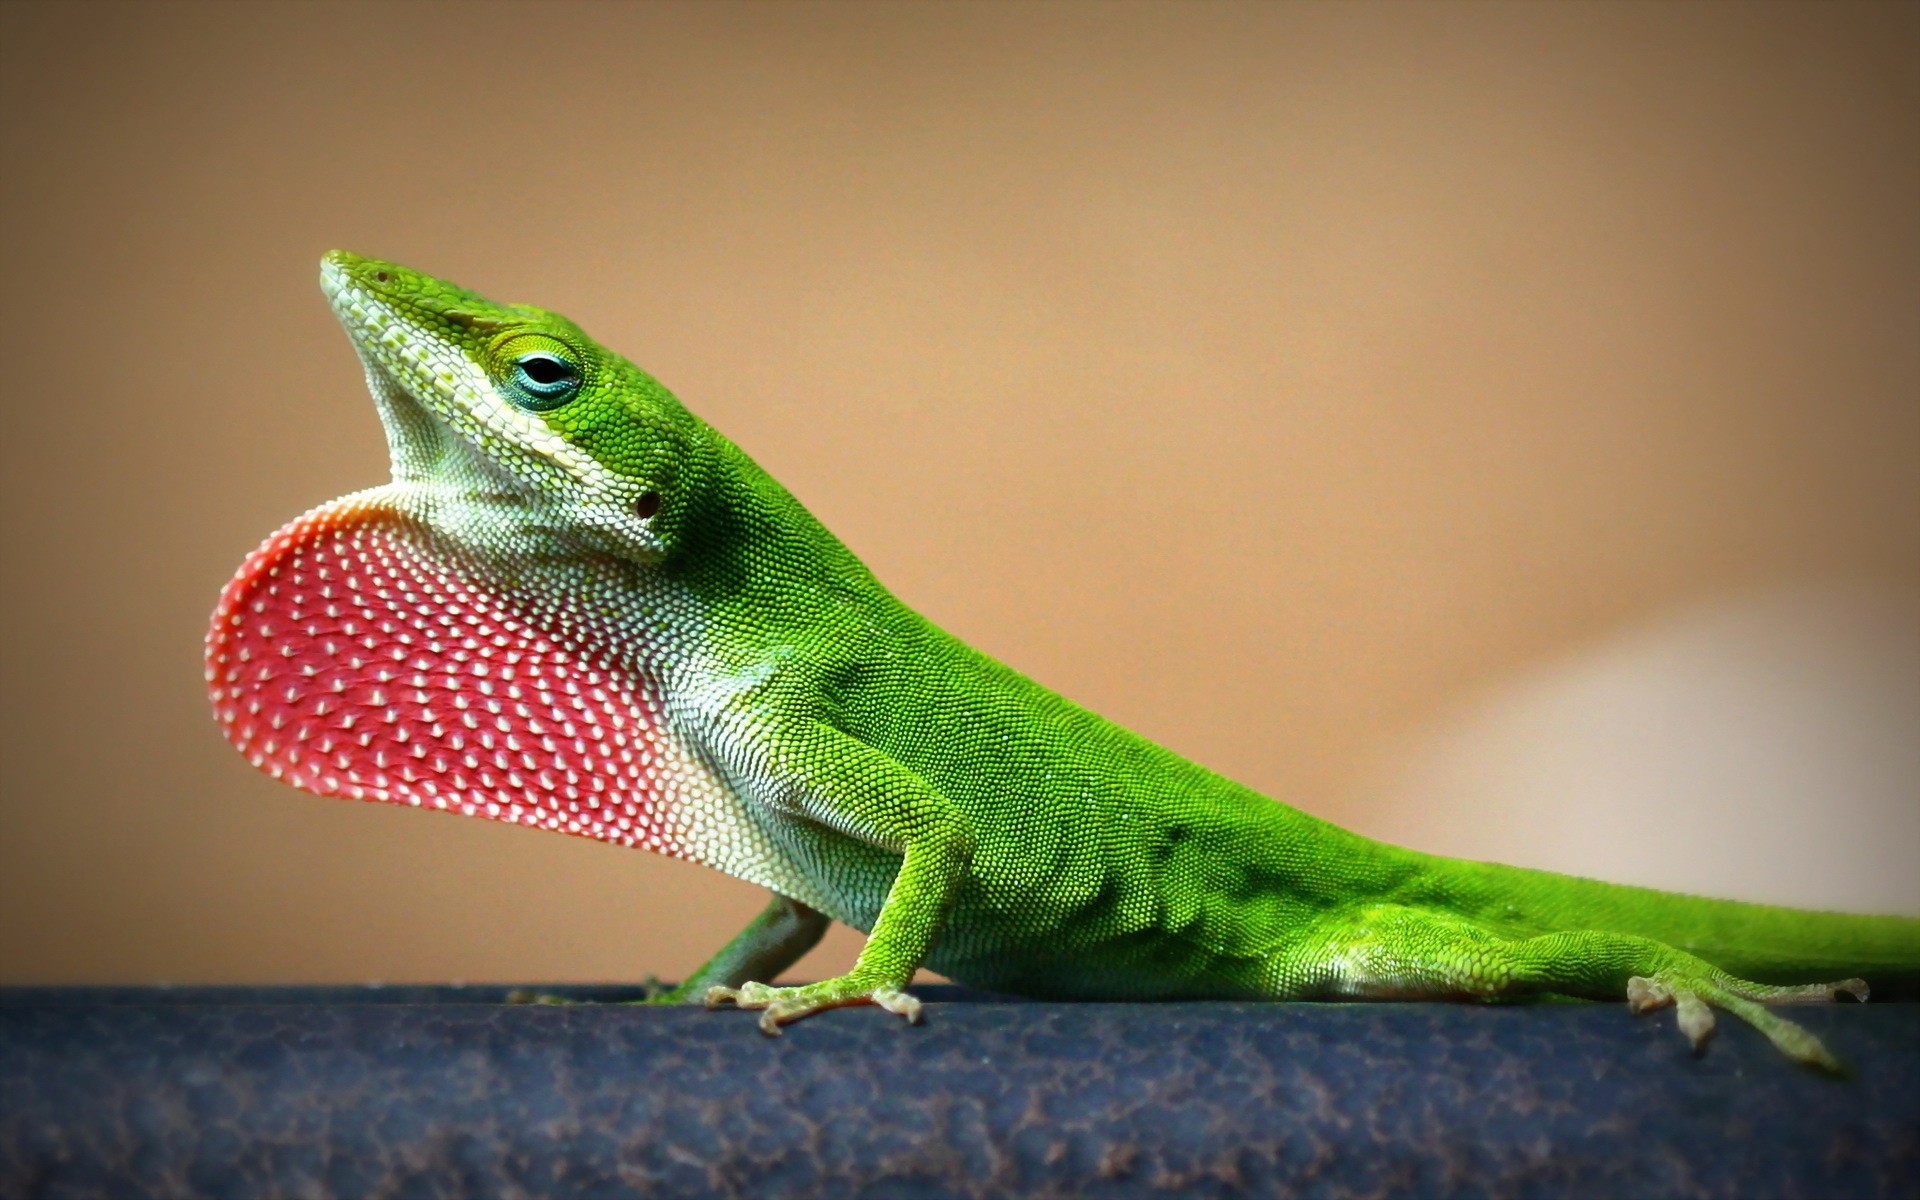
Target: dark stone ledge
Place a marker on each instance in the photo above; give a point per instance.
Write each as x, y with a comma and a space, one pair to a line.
431, 1091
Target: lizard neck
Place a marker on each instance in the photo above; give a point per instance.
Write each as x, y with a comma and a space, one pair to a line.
747, 540
751, 568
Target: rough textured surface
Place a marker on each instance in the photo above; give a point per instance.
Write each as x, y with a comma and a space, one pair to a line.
417, 1091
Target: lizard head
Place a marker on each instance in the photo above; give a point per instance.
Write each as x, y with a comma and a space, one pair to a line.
516, 404
466, 638
494, 632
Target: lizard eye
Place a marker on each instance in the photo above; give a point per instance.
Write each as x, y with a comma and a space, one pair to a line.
543, 380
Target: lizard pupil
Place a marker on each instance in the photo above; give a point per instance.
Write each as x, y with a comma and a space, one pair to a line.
543, 369
647, 505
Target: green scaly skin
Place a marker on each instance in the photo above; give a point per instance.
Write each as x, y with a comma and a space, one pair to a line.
869, 768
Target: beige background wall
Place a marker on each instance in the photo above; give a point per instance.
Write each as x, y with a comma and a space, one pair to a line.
1403, 409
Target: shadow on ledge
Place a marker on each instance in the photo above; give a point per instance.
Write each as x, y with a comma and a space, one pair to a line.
447, 1091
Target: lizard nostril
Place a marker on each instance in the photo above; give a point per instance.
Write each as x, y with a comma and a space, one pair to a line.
647, 505
380, 275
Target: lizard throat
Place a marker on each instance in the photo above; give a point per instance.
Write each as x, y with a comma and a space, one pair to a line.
357, 653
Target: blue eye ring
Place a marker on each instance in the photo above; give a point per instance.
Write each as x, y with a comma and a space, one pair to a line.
542, 380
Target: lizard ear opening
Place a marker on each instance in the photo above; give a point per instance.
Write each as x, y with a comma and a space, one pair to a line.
356, 654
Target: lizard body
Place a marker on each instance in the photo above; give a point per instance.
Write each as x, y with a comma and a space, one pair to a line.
579, 607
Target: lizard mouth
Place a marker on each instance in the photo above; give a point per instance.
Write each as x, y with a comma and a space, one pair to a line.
334, 277
420, 441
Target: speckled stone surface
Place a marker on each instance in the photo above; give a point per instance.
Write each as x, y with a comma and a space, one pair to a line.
407, 1092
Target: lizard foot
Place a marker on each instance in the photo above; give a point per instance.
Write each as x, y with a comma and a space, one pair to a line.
780, 1005
1694, 998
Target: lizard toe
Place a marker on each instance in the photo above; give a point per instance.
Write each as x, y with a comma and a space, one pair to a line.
1694, 1000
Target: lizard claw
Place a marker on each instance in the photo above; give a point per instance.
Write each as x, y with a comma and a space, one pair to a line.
1694, 1000
1645, 995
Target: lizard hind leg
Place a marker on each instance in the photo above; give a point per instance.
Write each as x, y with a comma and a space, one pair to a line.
1400, 952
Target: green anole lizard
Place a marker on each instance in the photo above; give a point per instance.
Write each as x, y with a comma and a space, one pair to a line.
577, 606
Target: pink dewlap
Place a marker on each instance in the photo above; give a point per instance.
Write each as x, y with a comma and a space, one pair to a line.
347, 658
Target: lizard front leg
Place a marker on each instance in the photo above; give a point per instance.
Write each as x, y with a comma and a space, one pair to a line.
773, 941
857, 790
